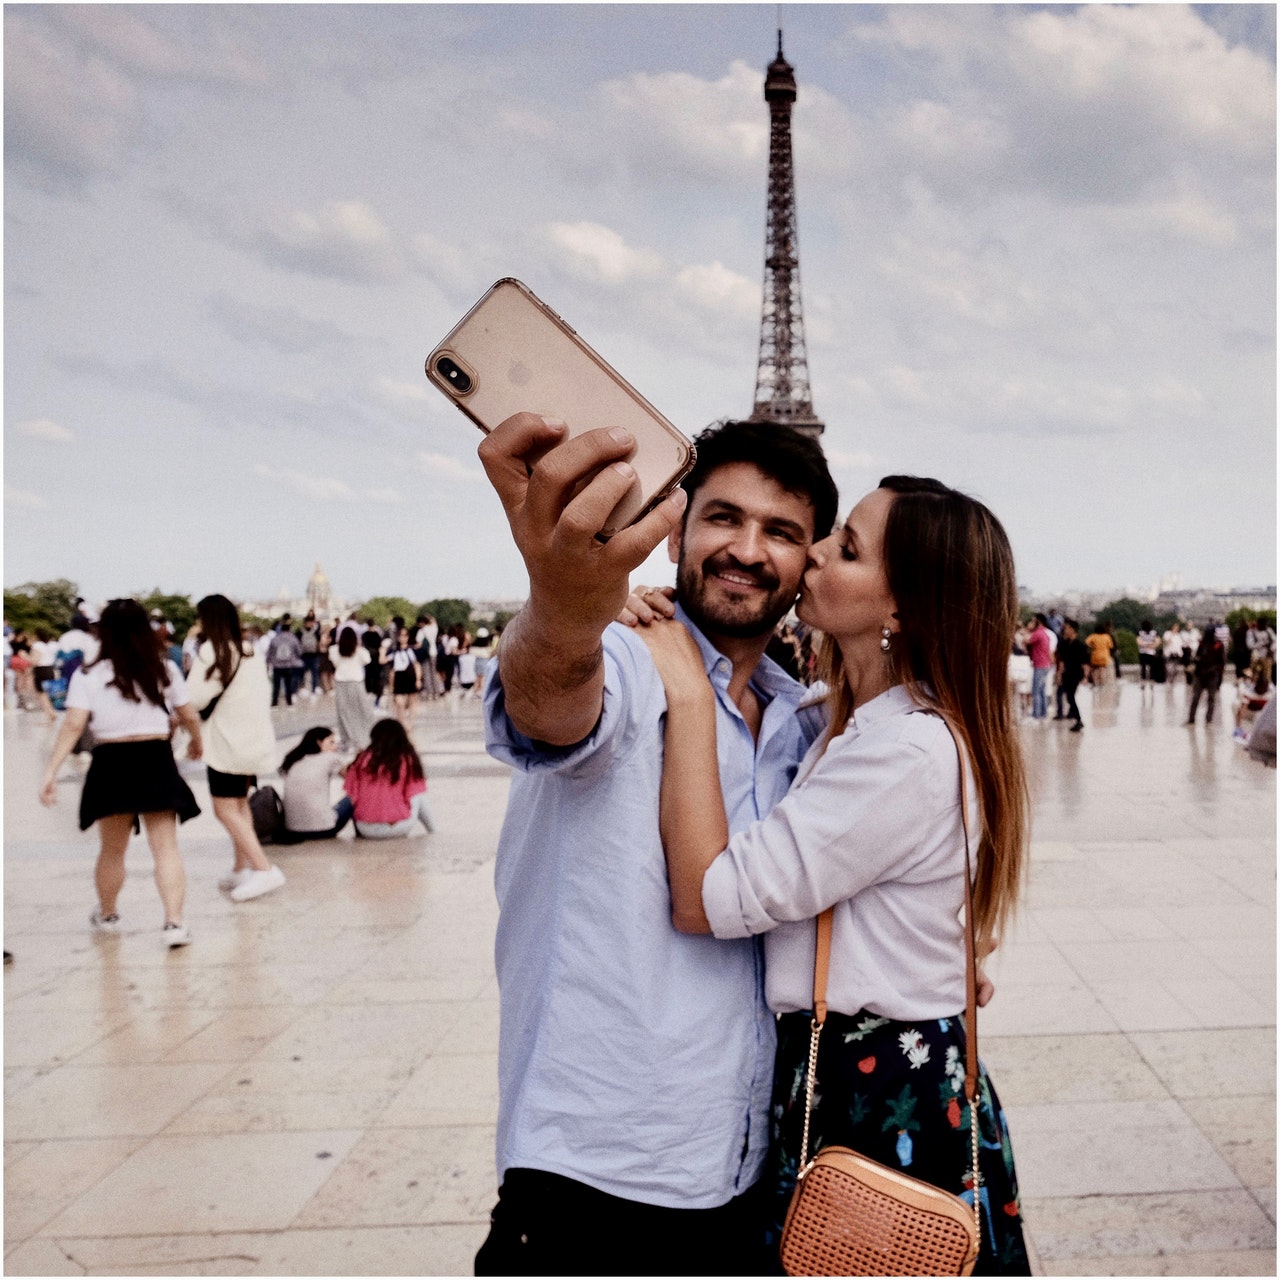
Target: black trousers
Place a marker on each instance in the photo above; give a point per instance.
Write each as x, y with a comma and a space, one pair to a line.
545, 1224
1068, 691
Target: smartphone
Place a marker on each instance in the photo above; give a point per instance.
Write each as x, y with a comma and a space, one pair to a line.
511, 352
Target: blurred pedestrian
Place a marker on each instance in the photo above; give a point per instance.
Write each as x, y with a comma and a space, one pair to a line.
376, 646
229, 689
284, 657
428, 631
356, 716
1100, 648
44, 658
1040, 649
1020, 673
128, 693
1210, 664
328, 637
406, 676
1110, 628
1148, 644
309, 642
1190, 647
1073, 658
1171, 643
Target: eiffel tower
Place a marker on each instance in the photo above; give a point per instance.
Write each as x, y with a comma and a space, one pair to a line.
782, 372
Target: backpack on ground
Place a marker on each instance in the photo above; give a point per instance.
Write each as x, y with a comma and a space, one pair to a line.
267, 811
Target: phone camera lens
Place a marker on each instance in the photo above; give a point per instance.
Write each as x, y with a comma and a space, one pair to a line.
457, 378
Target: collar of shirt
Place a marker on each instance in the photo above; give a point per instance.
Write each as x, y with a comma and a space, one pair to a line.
892, 702
768, 678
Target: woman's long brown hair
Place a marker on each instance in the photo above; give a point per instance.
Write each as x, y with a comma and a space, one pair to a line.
220, 626
129, 644
389, 751
950, 570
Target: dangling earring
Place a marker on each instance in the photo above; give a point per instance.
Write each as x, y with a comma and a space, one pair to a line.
885, 636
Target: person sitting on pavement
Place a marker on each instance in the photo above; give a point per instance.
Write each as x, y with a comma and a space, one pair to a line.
387, 785
308, 769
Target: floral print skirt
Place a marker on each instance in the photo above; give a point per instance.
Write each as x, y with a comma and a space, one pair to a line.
894, 1091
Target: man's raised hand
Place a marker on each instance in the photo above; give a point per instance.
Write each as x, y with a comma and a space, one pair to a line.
557, 494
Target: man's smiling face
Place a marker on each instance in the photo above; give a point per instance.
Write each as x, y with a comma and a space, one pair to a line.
741, 551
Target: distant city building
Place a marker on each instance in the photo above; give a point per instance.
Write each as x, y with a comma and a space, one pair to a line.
318, 593
316, 596
1191, 604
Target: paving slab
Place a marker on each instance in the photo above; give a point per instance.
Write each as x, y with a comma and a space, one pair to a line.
311, 1087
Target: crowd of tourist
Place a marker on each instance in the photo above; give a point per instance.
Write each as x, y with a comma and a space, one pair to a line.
125, 685
1050, 648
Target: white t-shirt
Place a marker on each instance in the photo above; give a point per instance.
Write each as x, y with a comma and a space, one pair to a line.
467, 668
350, 669
112, 716
70, 641
44, 653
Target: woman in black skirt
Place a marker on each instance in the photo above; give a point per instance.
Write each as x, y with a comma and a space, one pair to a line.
917, 601
129, 695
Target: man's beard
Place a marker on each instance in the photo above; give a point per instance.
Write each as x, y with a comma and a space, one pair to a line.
742, 619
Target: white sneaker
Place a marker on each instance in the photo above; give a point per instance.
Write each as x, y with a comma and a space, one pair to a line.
257, 883
233, 879
104, 924
176, 935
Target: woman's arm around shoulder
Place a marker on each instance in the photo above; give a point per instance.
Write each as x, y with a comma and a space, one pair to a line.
692, 818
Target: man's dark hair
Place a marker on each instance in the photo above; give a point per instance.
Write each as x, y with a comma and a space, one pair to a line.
1072, 623
1042, 620
795, 461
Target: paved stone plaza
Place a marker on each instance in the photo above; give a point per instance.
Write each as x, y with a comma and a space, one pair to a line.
309, 1088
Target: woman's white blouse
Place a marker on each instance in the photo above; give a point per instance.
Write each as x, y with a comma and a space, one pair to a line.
872, 825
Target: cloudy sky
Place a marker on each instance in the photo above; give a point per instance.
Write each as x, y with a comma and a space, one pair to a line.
1037, 246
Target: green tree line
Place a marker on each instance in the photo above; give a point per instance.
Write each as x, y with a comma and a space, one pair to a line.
51, 604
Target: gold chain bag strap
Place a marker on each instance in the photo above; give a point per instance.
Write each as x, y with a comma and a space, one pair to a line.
851, 1216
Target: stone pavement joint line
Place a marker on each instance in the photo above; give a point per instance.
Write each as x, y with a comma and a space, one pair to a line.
310, 1088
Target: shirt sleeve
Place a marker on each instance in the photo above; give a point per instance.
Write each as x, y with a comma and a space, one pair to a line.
864, 815
627, 670
78, 692
177, 695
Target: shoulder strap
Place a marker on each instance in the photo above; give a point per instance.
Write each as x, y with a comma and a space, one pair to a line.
822, 952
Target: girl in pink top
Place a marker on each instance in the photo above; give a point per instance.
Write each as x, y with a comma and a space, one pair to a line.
387, 785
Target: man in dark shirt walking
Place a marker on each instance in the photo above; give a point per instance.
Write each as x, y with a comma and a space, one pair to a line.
1072, 659
1210, 665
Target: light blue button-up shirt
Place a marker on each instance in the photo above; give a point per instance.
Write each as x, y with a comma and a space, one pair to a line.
632, 1057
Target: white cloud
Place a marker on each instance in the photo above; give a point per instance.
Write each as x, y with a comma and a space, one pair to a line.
121, 33
714, 287
601, 254
401, 396
283, 329
24, 499
453, 267
326, 488
440, 464
343, 239
45, 429
673, 125
67, 118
